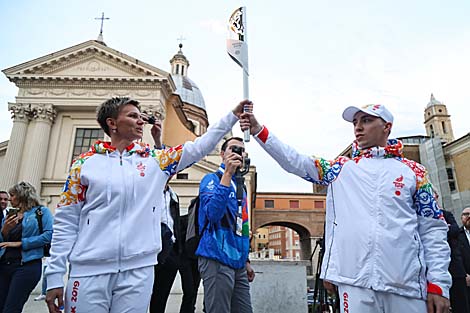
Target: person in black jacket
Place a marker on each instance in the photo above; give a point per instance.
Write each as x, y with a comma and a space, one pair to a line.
458, 291
172, 259
463, 240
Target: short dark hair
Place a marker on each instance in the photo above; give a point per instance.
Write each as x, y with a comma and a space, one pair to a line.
3, 191
110, 108
224, 145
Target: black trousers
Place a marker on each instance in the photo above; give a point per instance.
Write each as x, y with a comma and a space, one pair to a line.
165, 276
17, 281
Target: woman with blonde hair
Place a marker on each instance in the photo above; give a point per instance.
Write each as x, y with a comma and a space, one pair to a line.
22, 246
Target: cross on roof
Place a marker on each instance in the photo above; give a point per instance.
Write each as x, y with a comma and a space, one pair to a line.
102, 18
181, 41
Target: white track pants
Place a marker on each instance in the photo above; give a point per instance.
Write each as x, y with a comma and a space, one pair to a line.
363, 300
124, 292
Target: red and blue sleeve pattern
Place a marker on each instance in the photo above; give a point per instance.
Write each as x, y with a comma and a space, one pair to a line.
424, 199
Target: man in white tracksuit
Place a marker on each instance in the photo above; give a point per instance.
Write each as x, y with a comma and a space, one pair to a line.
385, 238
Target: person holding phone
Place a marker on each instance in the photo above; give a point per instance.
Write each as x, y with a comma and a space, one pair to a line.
22, 246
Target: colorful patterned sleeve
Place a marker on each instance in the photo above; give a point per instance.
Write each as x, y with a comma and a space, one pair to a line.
328, 170
312, 169
74, 191
424, 199
66, 221
432, 229
168, 158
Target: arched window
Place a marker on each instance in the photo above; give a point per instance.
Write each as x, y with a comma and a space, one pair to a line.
444, 127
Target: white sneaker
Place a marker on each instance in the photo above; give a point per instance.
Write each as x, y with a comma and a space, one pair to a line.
40, 298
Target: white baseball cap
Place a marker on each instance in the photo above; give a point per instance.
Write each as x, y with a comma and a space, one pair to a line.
378, 110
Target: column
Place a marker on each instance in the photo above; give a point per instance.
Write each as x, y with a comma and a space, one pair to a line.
20, 113
43, 115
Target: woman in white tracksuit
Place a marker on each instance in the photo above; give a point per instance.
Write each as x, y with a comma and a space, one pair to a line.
106, 224
385, 238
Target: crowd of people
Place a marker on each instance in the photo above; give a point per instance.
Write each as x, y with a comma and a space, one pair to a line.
119, 233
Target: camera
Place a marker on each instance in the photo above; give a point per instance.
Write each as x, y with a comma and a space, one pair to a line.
246, 161
12, 211
238, 150
151, 120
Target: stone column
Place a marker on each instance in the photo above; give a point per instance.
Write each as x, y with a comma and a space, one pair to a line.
20, 113
43, 116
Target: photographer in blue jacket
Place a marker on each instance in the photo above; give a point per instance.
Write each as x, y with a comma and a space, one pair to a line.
224, 246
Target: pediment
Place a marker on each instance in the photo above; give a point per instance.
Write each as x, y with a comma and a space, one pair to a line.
94, 66
89, 59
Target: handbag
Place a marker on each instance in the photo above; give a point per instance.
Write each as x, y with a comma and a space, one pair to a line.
47, 246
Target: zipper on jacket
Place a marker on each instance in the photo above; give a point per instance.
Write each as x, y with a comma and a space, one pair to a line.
333, 228
121, 209
420, 266
373, 279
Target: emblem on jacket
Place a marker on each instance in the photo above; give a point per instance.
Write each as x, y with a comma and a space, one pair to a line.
210, 185
398, 182
141, 169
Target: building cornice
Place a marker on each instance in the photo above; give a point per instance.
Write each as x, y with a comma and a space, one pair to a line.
56, 59
459, 145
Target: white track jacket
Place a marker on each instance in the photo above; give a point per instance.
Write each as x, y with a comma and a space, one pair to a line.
384, 229
107, 220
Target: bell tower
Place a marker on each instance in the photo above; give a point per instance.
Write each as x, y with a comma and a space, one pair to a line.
437, 121
179, 63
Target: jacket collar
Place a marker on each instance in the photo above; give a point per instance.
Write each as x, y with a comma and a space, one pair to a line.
394, 148
102, 147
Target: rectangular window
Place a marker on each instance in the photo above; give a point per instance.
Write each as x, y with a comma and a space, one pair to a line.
84, 138
182, 176
269, 204
318, 204
452, 185
450, 173
294, 204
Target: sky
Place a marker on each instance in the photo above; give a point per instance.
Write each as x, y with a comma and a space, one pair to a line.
308, 60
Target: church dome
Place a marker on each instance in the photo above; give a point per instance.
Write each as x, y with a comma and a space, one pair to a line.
188, 91
185, 87
433, 102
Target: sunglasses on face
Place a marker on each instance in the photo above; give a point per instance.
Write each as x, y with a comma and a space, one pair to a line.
466, 214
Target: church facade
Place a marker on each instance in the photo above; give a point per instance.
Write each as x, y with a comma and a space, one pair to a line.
54, 115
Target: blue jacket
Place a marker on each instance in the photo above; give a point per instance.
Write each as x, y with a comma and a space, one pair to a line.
217, 219
32, 242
